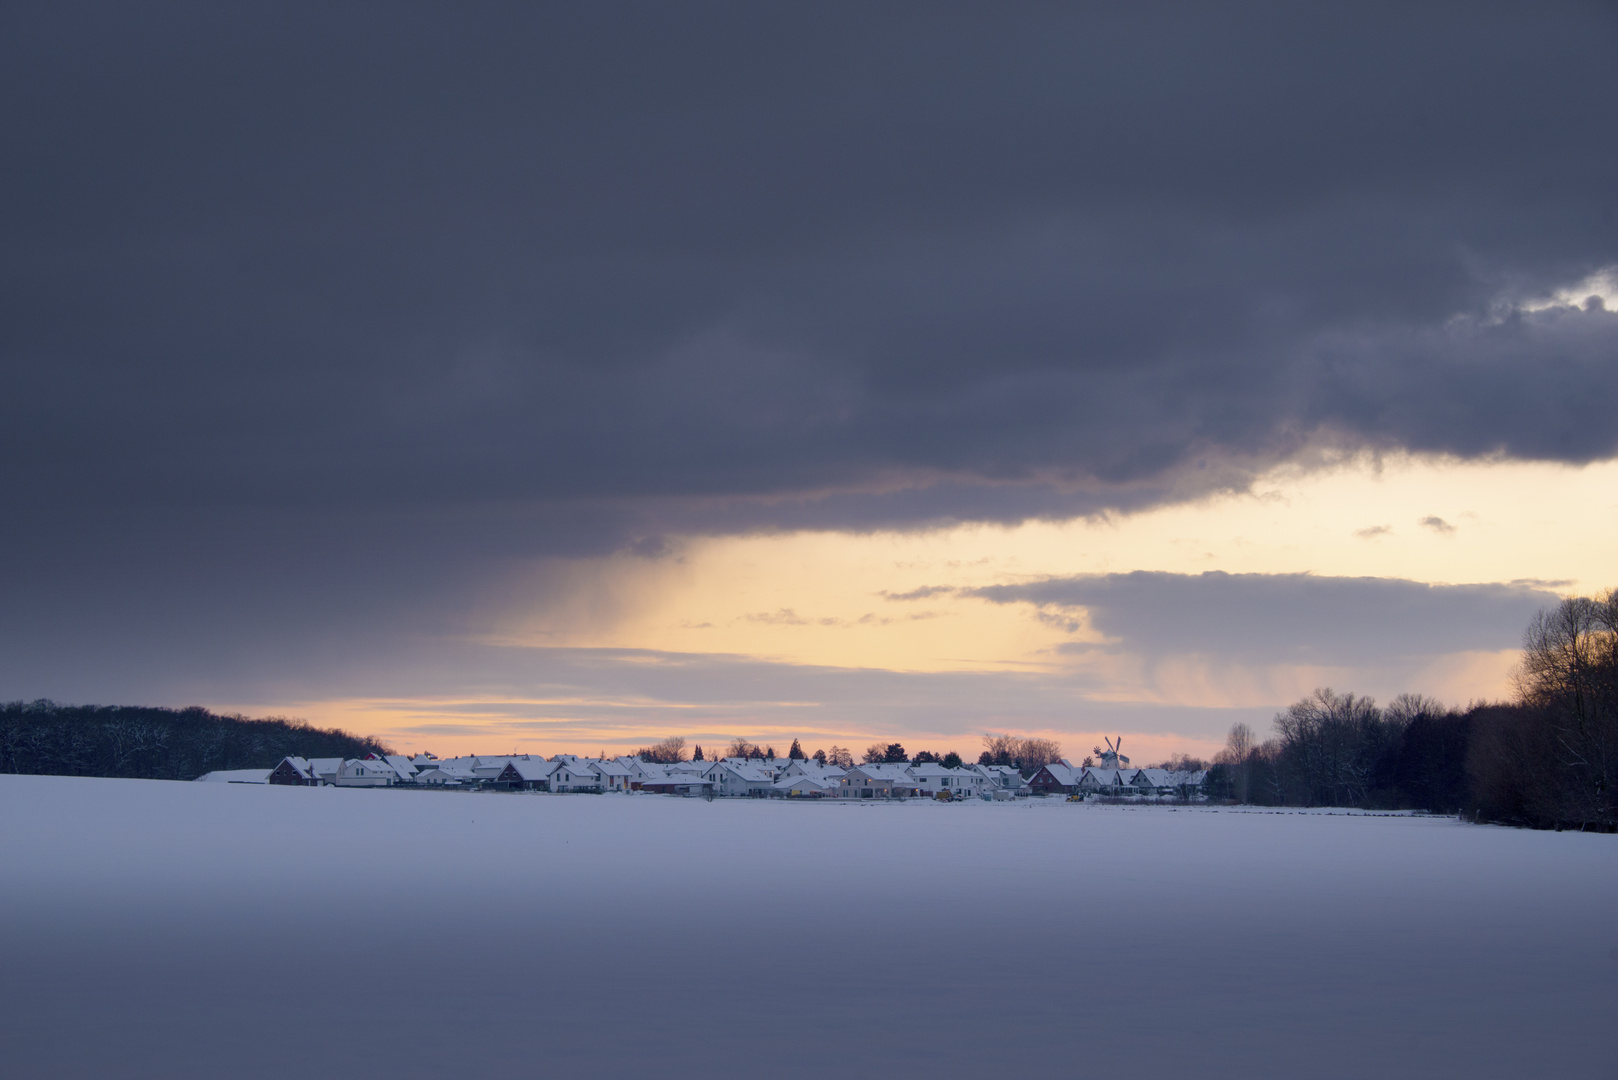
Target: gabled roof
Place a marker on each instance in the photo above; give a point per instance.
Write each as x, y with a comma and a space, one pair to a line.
885, 771
366, 767
815, 768
752, 774
1063, 773
804, 780
437, 776
532, 769
1154, 777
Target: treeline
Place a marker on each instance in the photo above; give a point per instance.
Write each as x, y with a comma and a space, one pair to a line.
1027, 755
42, 737
1548, 759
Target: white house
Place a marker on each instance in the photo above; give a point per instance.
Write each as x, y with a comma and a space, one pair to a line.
877, 782
1001, 776
615, 776
733, 776
366, 772
933, 778
325, 769
574, 776
804, 786
437, 778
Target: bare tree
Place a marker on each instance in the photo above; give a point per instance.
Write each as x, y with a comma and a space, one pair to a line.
1236, 757
840, 757
667, 752
743, 748
1407, 707
1239, 743
1027, 754
1568, 681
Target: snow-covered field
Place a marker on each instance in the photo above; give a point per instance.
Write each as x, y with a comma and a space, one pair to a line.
207, 930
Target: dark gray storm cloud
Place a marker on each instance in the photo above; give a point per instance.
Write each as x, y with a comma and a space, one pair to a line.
308, 312
308, 255
1285, 618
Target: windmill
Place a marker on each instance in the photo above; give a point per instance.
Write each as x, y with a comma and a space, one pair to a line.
1110, 757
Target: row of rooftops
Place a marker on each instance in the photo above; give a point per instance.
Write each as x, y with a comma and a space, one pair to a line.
724, 776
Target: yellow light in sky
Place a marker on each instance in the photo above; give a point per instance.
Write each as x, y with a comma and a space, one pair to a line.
824, 597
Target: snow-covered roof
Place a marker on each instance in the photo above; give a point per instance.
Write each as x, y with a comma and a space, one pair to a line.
366, 767
804, 781
1154, 777
236, 776
1103, 777
753, 774
1063, 773
815, 768
894, 772
532, 768
437, 776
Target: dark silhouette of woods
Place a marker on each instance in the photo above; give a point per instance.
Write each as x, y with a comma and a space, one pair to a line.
1549, 759
1552, 761
42, 737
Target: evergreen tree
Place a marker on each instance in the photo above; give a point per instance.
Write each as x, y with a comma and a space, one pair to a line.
796, 753
952, 760
698, 755
820, 756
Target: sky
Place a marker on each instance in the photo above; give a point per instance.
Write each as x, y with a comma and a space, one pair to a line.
560, 378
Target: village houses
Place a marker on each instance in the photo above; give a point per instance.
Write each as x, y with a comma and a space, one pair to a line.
755, 778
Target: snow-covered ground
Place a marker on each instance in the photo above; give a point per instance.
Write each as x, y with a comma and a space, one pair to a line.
212, 930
